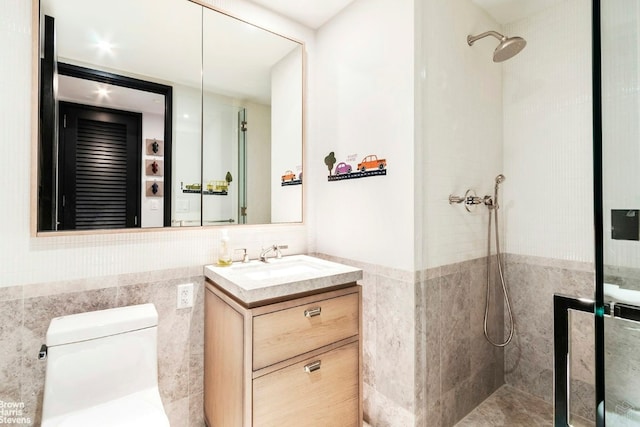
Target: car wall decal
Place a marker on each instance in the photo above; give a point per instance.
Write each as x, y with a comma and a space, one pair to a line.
289, 177
369, 165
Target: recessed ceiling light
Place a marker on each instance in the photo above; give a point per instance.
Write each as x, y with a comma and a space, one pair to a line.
105, 46
102, 92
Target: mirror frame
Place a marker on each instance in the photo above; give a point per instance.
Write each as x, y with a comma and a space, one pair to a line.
35, 133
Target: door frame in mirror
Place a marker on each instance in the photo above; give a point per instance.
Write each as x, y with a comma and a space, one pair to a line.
142, 85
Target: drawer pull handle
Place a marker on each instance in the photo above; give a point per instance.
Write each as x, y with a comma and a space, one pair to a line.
312, 312
312, 367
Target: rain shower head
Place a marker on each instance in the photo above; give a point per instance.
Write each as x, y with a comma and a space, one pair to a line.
508, 47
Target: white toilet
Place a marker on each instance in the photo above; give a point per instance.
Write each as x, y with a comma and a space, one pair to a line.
102, 370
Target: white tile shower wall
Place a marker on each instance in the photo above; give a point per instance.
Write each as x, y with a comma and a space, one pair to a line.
547, 203
362, 79
24, 259
460, 96
621, 130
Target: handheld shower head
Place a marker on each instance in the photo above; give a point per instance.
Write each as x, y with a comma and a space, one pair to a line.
499, 180
508, 47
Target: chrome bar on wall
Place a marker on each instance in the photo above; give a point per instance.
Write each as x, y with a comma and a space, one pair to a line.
217, 221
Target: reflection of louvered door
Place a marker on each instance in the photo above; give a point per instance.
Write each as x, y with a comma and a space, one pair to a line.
100, 182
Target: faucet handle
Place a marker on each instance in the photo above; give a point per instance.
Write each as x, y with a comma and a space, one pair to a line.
245, 257
278, 248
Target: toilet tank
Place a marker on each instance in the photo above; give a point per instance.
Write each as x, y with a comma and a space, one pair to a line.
100, 356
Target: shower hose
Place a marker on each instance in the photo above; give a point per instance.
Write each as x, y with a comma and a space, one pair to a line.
494, 209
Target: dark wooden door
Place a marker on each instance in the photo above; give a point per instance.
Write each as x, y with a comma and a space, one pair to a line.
100, 168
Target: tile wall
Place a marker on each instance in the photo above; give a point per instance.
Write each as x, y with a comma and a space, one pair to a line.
528, 366
547, 129
389, 343
433, 362
622, 352
424, 353
626, 277
462, 368
26, 311
425, 356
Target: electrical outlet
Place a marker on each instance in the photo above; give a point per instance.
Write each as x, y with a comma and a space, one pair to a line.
185, 295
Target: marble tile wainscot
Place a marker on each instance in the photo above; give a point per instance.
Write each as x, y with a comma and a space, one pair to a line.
25, 313
423, 352
532, 282
425, 355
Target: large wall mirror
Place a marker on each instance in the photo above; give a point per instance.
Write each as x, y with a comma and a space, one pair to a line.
165, 113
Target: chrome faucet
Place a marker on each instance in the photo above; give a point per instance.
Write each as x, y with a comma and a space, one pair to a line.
272, 248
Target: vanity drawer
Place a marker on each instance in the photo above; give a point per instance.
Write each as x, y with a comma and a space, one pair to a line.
321, 391
283, 334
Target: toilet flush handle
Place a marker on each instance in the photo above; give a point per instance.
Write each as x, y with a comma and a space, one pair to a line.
42, 354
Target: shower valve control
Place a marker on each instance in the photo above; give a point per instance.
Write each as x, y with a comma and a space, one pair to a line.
470, 200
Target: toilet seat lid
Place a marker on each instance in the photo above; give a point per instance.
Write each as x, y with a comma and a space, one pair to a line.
132, 411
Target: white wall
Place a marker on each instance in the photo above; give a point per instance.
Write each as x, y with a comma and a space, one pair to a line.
460, 105
152, 128
186, 154
286, 135
362, 84
548, 200
258, 170
25, 259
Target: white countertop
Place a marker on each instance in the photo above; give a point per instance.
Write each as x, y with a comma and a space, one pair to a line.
257, 281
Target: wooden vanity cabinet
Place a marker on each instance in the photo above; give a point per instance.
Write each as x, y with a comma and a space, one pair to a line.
291, 362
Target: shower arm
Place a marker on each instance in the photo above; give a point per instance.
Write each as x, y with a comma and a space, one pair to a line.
472, 39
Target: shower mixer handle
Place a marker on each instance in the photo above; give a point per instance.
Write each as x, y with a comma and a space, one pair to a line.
474, 200
455, 199
470, 199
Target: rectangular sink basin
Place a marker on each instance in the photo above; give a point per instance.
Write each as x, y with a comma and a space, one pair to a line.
257, 281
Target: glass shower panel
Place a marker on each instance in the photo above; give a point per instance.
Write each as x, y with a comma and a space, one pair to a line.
220, 161
622, 365
621, 208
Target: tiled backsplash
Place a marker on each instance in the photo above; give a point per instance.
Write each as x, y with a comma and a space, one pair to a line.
26, 311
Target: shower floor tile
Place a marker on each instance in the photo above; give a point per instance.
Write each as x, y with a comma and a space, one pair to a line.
511, 407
